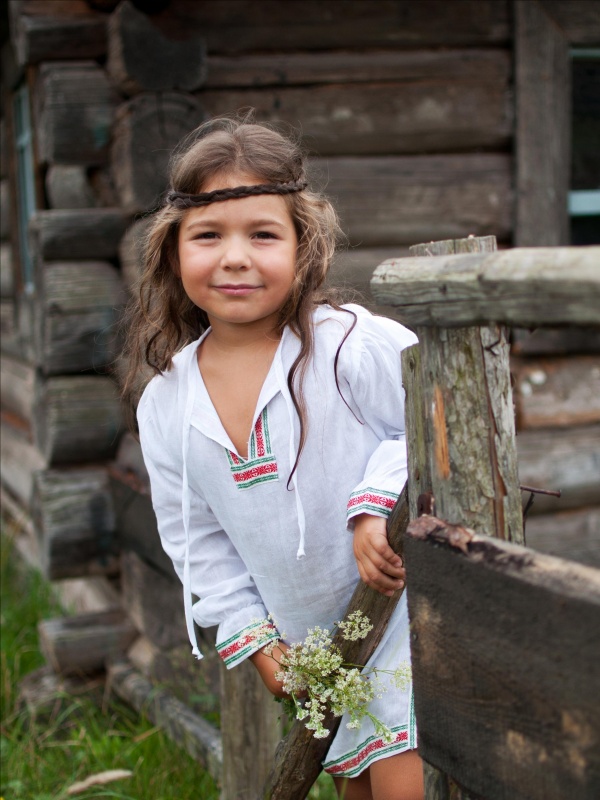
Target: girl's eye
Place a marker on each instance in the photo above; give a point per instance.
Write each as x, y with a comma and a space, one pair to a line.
206, 235
264, 235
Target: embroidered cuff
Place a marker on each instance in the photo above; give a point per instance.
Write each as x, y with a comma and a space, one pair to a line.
371, 501
247, 641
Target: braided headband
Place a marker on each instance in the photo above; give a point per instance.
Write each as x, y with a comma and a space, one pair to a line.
182, 200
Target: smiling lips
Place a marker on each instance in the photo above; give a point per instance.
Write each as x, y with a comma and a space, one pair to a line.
236, 289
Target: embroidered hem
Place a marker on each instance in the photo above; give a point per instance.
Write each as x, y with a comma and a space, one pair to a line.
372, 501
247, 641
353, 763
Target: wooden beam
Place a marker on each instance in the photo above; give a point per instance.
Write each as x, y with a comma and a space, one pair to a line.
42, 31
556, 392
574, 535
338, 66
566, 459
197, 737
142, 59
78, 304
383, 118
418, 198
578, 20
522, 286
75, 523
240, 26
543, 132
84, 643
17, 381
74, 106
20, 459
507, 701
83, 233
77, 418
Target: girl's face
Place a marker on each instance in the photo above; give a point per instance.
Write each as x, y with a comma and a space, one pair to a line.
237, 258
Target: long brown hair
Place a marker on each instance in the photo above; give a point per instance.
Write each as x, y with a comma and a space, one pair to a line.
162, 319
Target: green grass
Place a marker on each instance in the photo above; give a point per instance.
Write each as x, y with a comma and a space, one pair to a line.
75, 737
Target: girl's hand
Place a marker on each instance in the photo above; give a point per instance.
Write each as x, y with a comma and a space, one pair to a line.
268, 665
379, 567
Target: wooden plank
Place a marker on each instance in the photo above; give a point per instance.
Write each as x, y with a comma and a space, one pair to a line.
555, 341
418, 198
142, 59
74, 107
62, 29
338, 66
90, 233
17, 381
351, 272
240, 26
77, 418
522, 286
20, 459
197, 737
577, 19
67, 186
146, 130
250, 728
383, 118
557, 392
7, 277
136, 521
567, 459
508, 702
78, 308
75, 523
86, 642
543, 131
574, 535
153, 601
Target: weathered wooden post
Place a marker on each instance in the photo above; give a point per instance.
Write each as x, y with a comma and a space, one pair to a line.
462, 450
459, 403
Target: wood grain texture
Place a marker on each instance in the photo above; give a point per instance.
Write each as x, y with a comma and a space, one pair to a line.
20, 459
574, 535
507, 701
146, 130
78, 307
69, 28
338, 66
74, 107
197, 737
141, 58
84, 643
153, 601
556, 392
567, 459
77, 418
543, 131
75, 523
90, 233
383, 118
17, 382
240, 26
521, 286
418, 198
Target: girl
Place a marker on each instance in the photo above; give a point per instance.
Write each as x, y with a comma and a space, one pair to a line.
273, 431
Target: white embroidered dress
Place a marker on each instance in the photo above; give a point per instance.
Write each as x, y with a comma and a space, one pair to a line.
248, 546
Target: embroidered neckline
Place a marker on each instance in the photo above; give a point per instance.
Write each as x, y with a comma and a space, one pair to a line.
261, 465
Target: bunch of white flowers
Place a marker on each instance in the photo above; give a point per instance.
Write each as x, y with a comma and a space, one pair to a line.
315, 676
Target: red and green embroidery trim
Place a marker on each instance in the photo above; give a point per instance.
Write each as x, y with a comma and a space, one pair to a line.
246, 642
261, 465
372, 500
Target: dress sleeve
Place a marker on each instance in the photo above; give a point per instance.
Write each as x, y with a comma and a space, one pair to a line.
227, 595
375, 381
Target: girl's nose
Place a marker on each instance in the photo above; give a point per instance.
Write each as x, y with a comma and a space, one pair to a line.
235, 254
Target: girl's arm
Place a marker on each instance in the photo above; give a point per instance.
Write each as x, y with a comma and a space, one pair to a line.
268, 667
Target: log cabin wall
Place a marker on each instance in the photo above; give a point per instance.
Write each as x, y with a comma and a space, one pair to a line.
421, 118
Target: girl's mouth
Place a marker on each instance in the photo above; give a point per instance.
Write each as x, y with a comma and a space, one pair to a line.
236, 289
